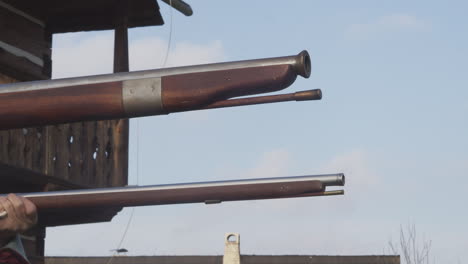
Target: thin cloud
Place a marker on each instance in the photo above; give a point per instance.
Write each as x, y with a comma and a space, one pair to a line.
386, 25
149, 53
80, 54
273, 163
76, 54
361, 179
357, 168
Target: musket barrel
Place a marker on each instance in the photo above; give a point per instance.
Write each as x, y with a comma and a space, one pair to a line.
301, 63
203, 192
143, 93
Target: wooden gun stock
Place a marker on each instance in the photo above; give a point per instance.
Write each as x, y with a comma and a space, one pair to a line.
145, 93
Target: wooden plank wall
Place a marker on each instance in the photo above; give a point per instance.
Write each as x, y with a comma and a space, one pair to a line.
90, 154
87, 154
24, 148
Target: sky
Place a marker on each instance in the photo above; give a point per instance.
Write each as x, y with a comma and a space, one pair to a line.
392, 118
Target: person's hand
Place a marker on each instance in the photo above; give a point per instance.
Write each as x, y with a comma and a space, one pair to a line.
17, 214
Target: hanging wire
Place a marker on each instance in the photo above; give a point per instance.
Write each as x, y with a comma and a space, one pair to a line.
127, 227
130, 219
169, 41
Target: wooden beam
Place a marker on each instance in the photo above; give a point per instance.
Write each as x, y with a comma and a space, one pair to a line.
121, 61
121, 64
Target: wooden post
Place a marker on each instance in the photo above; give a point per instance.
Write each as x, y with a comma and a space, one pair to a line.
121, 64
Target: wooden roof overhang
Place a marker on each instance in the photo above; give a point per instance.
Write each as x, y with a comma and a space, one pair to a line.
60, 16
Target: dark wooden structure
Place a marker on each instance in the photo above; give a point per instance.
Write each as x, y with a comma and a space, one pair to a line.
27, 27
245, 259
81, 155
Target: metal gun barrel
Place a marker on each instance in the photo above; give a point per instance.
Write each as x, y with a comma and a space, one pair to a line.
300, 62
309, 95
205, 192
144, 93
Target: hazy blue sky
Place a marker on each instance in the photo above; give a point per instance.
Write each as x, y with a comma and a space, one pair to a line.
393, 118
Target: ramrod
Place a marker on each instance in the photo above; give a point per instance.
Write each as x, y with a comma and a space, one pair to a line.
151, 92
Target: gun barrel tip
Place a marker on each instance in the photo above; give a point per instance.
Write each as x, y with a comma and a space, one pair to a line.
319, 94
342, 176
304, 64
308, 95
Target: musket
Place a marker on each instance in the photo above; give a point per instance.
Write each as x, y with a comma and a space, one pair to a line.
151, 92
201, 192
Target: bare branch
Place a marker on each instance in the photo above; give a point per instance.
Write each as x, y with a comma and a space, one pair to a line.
410, 249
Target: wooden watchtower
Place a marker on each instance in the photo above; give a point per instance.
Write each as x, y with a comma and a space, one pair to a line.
80, 155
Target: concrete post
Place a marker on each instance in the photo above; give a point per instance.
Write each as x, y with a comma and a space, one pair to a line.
231, 249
